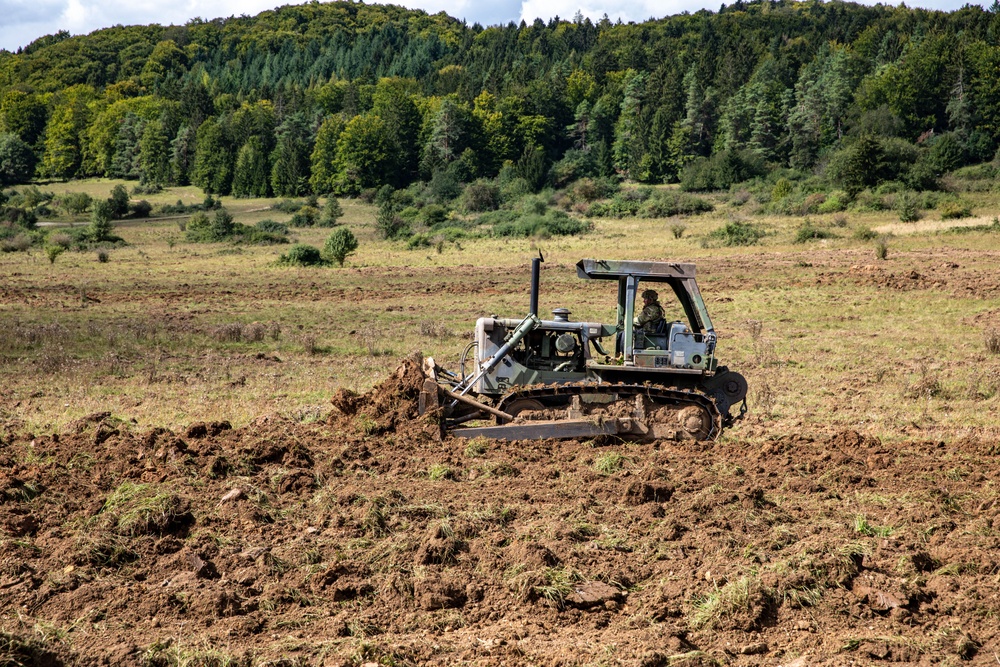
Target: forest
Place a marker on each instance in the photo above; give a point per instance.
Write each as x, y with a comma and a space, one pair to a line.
346, 98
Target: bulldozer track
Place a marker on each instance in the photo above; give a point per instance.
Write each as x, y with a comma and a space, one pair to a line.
670, 396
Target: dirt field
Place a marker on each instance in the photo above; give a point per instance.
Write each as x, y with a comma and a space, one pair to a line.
358, 539
176, 487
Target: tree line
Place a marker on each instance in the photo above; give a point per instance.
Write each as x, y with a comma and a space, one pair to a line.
343, 97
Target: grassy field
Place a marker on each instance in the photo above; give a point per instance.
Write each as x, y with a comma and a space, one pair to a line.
167, 332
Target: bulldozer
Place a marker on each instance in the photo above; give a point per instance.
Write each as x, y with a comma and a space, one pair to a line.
530, 378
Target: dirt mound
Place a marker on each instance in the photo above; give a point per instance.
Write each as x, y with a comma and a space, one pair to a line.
357, 539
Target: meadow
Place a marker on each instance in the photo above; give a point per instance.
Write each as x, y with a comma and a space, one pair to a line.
168, 332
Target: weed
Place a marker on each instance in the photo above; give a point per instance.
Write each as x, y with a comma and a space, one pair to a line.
103, 256
375, 523
439, 471
433, 329
678, 230
557, 584
365, 425
171, 653
737, 233
865, 233
991, 339
476, 447
372, 339
610, 463
738, 603
882, 247
808, 232
140, 509
862, 527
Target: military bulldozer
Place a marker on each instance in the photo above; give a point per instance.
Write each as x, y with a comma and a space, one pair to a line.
535, 379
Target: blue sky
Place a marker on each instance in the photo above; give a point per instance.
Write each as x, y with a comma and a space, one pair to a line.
26, 20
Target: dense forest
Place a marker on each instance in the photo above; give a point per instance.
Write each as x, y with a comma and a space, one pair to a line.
345, 97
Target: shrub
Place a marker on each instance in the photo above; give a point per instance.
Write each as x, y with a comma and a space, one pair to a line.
287, 205
271, 227
434, 214
721, 171
340, 244
481, 195
738, 233
834, 203
147, 189
389, 223
553, 223
102, 256
302, 255
61, 239
307, 216
332, 212
100, 227
906, 206
808, 232
76, 203
140, 209
954, 210
119, 202
53, 251
16, 243
678, 230
882, 247
865, 233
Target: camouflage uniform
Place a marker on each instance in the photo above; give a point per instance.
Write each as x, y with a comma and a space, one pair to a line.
650, 317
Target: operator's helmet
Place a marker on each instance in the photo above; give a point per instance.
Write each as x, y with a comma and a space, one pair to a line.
651, 295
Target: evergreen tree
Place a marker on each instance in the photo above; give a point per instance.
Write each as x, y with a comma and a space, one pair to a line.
340, 244
100, 228
290, 170
154, 154
182, 150
213, 169
630, 146
324, 155
250, 178
125, 161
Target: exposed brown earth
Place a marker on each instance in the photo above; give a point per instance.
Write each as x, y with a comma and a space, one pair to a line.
361, 539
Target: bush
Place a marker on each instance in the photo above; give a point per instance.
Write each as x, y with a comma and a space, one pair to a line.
481, 195
553, 223
390, 224
61, 239
307, 216
808, 232
287, 205
17, 243
434, 214
76, 203
954, 210
147, 189
302, 255
119, 202
906, 207
865, 233
882, 247
721, 171
103, 256
140, 209
332, 212
737, 233
340, 244
53, 251
834, 203
271, 227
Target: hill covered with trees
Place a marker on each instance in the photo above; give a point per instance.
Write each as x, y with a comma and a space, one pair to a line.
344, 97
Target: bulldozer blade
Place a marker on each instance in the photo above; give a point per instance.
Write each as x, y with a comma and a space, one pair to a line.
568, 428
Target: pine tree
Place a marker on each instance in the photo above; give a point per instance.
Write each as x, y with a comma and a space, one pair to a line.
182, 150
290, 170
250, 177
154, 154
213, 164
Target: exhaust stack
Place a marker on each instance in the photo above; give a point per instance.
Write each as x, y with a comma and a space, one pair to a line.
536, 265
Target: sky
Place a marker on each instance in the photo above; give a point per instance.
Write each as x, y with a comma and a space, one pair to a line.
23, 21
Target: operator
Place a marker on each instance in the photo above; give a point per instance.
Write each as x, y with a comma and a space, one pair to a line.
651, 318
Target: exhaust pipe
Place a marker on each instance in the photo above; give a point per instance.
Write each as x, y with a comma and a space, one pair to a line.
536, 265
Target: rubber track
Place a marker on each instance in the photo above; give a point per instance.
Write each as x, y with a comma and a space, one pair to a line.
661, 395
